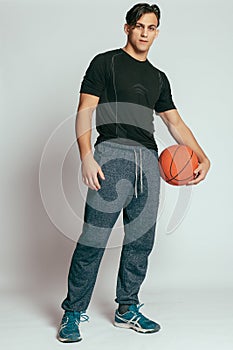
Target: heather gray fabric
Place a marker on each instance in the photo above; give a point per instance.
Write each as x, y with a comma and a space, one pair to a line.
132, 184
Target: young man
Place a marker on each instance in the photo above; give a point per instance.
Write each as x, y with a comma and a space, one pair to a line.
125, 89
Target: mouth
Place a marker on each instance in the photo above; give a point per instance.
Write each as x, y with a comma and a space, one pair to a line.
143, 41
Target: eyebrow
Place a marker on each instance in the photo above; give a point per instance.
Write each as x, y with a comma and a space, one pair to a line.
143, 25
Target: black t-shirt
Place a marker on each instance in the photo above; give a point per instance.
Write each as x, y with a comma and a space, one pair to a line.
129, 90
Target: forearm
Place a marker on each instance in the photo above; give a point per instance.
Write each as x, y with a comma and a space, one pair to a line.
83, 123
183, 135
83, 131
83, 126
84, 144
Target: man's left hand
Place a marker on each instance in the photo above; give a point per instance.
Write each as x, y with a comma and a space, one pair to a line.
200, 172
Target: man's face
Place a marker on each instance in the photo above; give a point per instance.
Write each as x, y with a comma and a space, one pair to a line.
142, 35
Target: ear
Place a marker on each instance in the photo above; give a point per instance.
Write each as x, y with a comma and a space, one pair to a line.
157, 33
126, 28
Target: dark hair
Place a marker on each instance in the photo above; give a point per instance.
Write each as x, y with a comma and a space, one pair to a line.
140, 9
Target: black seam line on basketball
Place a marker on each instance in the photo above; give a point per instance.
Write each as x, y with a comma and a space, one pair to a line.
181, 169
173, 160
187, 178
174, 177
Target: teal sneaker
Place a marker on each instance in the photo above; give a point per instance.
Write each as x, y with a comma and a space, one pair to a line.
69, 328
135, 320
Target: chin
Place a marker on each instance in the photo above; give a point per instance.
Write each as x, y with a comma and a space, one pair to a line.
142, 49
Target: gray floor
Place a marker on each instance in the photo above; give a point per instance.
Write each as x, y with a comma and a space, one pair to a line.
189, 319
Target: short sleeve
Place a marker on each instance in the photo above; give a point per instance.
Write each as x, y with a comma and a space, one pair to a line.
94, 79
165, 100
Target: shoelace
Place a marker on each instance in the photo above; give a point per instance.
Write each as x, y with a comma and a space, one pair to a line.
83, 318
139, 307
138, 313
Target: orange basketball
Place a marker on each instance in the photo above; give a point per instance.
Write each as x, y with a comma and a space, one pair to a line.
177, 164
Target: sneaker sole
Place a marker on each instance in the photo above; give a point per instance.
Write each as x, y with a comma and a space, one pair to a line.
64, 340
131, 326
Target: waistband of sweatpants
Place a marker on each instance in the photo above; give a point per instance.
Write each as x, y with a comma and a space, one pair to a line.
116, 145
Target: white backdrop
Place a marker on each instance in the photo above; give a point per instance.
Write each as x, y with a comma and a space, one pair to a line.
46, 47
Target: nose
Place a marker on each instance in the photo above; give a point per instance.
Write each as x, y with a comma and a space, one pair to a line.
144, 32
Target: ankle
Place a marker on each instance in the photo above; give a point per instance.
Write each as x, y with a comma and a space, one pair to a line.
122, 308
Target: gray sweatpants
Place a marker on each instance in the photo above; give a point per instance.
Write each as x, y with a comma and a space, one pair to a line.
132, 183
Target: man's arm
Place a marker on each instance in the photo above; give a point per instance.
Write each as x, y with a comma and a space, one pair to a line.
183, 135
83, 125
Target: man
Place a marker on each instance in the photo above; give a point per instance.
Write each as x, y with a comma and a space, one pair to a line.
125, 89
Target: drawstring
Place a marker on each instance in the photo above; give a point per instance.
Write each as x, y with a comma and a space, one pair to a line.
136, 173
140, 152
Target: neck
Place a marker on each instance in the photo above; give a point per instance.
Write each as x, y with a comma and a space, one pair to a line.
138, 55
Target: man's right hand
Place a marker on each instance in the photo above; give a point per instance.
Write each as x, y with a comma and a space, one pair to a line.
90, 169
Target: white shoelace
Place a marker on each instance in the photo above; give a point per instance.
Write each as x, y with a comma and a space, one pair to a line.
83, 318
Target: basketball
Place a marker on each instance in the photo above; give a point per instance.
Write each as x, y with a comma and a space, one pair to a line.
177, 164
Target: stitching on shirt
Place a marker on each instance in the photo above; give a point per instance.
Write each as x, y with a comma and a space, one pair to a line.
160, 82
